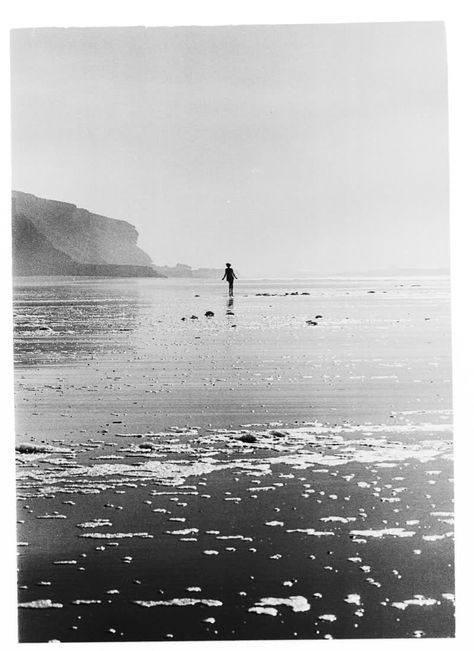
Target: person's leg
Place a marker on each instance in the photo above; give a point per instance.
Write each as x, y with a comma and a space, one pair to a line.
231, 289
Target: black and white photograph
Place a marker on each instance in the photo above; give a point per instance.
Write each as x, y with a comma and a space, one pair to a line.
232, 332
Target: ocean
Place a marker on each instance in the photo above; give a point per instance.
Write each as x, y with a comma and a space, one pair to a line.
281, 469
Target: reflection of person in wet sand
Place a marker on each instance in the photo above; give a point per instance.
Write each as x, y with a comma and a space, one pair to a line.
229, 275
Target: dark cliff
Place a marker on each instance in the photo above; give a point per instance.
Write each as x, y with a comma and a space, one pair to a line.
56, 238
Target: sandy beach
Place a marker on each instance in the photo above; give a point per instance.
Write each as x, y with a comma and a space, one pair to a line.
279, 470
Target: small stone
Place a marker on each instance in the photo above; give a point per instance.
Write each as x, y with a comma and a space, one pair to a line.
248, 438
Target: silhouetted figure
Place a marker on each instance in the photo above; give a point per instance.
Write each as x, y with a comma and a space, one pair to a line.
229, 275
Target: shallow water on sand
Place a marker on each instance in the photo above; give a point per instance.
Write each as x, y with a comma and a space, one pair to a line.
280, 469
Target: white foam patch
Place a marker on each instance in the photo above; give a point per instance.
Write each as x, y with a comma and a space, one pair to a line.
98, 522
183, 532
418, 600
398, 532
296, 603
434, 537
262, 610
86, 602
353, 599
448, 596
311, 532
185, 601
236, 537
261, 488
141, 534
40, 603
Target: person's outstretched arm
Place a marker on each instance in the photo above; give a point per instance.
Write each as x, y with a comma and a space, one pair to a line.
235, 276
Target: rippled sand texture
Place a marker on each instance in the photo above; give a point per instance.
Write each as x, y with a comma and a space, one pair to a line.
281, 469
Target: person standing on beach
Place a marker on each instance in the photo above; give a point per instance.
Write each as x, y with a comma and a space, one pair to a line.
229, 275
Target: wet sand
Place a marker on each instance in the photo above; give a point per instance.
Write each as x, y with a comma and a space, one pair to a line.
250, 474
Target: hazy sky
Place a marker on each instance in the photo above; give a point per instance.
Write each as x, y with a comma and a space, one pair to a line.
280, 149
